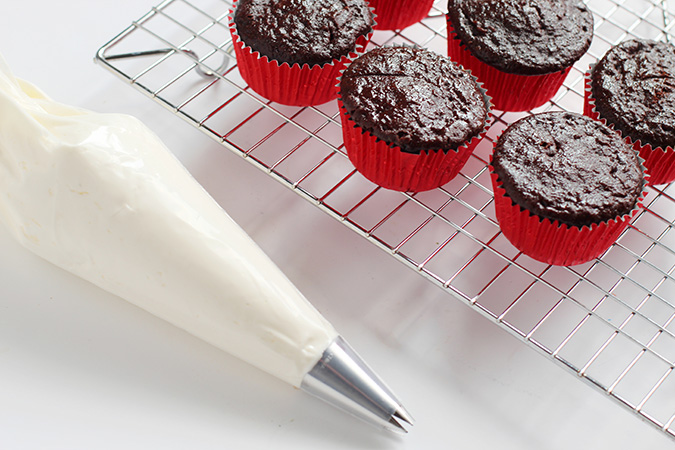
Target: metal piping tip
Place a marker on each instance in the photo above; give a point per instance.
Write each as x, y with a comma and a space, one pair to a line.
396, 427
344, 380
404, 415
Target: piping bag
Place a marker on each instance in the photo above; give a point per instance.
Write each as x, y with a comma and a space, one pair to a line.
101, 196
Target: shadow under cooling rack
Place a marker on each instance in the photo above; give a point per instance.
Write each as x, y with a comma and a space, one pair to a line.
610, 321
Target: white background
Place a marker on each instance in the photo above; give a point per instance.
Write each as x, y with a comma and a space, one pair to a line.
82, 369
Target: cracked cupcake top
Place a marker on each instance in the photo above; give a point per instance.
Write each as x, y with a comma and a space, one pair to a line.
634, 89
302, 31
568, 167
527, 37
413, 98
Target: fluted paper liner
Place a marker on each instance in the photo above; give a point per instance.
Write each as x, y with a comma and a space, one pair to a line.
659, 162
509, 91
390, 167
551, 241
399, 14
294, 85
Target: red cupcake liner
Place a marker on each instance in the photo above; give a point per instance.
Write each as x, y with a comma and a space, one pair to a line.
399, 14
550, 241
293, 85
388, 166
509, 91
659, 162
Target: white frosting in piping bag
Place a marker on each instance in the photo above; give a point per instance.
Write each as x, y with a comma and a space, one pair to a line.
101, 196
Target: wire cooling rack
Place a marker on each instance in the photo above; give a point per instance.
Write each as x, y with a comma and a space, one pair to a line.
610, 321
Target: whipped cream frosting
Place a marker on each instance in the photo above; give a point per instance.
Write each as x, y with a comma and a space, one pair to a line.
102, 197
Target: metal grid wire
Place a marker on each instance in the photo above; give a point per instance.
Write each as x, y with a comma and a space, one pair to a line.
610, 321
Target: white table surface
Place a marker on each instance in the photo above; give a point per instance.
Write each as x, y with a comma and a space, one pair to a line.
82, 369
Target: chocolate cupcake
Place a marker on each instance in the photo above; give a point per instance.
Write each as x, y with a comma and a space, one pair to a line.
291, 51
632, 89
521, 50
399, 14
410, 117
565, 186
